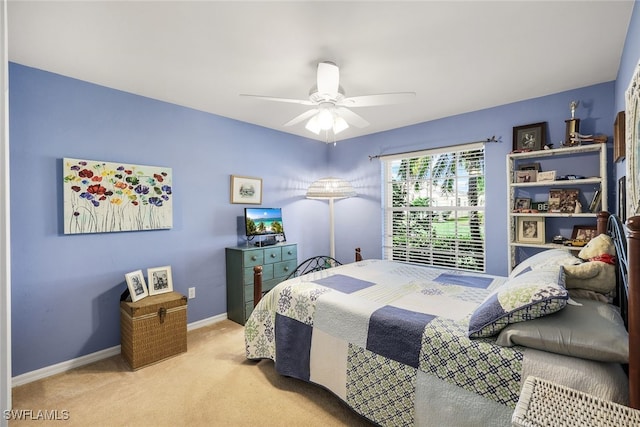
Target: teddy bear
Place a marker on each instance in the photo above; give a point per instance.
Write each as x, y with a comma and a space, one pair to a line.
597, 271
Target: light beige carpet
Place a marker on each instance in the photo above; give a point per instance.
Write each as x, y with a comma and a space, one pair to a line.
212, 384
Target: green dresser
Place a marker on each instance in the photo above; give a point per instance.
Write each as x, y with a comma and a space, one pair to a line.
277, 262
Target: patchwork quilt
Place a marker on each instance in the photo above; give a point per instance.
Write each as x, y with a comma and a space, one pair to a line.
390, 340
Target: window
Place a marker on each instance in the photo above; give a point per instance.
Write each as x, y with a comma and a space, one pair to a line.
434, 207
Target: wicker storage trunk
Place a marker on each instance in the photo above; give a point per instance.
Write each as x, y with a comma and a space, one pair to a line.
153, 328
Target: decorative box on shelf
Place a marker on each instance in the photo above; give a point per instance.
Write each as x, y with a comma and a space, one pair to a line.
153, 328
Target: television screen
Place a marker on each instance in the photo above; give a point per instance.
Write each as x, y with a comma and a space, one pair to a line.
263, 221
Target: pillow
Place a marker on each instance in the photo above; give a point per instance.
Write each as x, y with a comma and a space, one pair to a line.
528, 296
545, 259
594, 330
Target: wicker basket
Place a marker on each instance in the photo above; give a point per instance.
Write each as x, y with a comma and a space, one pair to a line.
153, 328
543, 403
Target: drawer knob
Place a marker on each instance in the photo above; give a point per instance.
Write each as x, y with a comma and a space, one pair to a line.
253, 258
273, 255
289, 252
286, 269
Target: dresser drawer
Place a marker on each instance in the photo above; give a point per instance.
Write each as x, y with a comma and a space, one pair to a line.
267, 273
253, 258
284, 268
272, 255
290, 252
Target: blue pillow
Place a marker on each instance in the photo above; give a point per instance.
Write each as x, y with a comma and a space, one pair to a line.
530, 295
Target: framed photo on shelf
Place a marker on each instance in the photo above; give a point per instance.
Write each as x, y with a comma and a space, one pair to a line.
530, 167
529, 137
563, 200
619, 137
522, 203
160, 280
246, 189
584, 232
526, 176
531, 229
546, 176
136, 285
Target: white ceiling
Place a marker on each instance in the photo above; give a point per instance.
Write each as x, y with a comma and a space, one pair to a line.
458, 56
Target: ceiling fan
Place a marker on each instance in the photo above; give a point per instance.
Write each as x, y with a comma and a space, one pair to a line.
330, 110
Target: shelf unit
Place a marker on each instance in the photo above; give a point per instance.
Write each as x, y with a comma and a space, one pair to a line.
591, 159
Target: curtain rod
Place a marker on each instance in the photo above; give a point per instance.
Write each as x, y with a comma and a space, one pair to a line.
491, 139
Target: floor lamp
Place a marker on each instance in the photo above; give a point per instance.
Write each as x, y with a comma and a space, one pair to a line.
330, 189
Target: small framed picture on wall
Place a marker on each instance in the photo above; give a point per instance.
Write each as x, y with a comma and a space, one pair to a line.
246, 190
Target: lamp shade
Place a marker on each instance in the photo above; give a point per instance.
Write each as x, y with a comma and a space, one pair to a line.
330, 188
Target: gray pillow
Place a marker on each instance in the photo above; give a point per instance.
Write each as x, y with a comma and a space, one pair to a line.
594, 331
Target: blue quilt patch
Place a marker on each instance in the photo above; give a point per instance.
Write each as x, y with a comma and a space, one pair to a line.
293, 347
462, 280
396, 333
344, 284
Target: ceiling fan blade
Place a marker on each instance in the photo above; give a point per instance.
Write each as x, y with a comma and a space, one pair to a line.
328, 79
351, 117
301, 117
378, 99
273, 98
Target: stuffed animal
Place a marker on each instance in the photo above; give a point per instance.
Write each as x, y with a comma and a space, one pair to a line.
597, 272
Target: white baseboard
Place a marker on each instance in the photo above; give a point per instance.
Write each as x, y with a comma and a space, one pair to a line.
206, 322
58, 368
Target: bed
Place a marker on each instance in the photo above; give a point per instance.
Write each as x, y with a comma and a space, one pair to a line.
412, 345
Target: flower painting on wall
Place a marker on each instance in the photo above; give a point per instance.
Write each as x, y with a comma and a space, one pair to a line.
103, 197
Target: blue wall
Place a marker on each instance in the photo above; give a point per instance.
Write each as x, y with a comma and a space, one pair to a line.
65, 289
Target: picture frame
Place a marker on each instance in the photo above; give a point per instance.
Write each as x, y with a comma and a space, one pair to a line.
546, 176
530, 167
136, 284
531, 229
584, 232
619, 137
522, 203
160, 280
91, 189
563, 200
622, 199
246, 190
530, 137
632, 147
526, 176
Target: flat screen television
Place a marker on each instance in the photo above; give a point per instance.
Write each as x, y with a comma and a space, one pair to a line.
263, 221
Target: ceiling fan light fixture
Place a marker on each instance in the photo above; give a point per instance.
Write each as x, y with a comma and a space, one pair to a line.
325, 119
313, 125
339, 124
